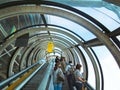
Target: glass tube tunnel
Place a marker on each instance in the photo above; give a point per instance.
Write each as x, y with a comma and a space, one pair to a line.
84, 31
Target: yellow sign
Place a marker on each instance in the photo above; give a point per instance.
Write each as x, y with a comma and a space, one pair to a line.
50, 47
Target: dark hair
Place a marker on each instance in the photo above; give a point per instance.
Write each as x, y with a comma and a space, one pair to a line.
70, 61
78, 66
56, 65
62, 59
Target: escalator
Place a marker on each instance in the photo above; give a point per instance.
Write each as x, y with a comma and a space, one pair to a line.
34, 83
30, 78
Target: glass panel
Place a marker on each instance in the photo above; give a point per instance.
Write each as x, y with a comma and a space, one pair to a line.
91, 73
84, 33
111, 14
110, 20
118, 37
79, 2
110, 68
64, 37
69, 31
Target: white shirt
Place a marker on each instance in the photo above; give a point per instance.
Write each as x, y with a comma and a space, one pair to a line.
55, 74
77, 74
67, 68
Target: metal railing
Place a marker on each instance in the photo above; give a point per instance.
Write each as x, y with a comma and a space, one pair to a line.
46, 78
89, 87
11, 79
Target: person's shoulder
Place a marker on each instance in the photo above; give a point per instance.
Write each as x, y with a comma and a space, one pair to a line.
72, 65
59, 69
76, 70
67, 65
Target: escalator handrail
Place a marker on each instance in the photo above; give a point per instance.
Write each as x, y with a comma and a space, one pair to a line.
26, 80
12, 78
89, 87
45, 80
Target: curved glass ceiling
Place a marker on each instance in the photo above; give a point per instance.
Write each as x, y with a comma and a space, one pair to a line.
81, 31
103, 15
107, 14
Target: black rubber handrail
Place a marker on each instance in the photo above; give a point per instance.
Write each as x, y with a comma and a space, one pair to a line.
89, 87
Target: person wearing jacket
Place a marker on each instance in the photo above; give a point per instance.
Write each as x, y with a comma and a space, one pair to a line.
56, 82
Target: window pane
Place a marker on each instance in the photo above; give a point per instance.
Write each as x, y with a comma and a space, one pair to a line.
81, 31
107, 17
91, 73
110, 68
118, 37
64, 37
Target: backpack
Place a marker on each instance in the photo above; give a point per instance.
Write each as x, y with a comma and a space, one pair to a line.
60, 76
71, 75
71, 69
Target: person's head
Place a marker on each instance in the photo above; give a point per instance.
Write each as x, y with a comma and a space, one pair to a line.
57, 57
78, 66
70, 62
62, 59
57, 65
